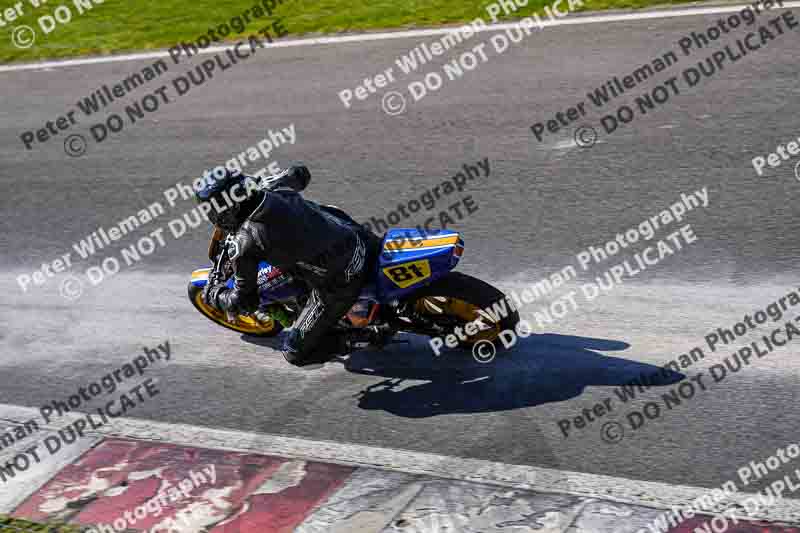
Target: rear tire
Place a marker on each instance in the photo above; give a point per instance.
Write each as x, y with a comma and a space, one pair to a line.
457, 297
243, 324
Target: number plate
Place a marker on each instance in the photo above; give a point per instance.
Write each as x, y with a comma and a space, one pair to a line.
408, 274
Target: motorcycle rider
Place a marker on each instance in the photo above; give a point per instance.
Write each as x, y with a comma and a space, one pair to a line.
318, 244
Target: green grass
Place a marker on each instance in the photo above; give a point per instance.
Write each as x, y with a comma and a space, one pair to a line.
115, 26
16, 525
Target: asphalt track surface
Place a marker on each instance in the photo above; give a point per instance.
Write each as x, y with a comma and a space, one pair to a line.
542, 204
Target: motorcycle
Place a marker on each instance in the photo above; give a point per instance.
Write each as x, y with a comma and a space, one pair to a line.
413, 288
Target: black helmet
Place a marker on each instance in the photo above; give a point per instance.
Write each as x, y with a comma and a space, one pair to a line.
226, 193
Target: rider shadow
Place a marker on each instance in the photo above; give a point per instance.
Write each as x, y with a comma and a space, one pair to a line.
540, 369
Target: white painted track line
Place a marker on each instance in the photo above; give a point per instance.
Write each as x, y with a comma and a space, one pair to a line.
17, 489
637, 492
380, 36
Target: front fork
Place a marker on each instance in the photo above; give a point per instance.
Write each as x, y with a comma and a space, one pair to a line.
213, 246
219, 257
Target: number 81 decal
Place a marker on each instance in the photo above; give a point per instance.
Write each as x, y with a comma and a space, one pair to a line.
408, 274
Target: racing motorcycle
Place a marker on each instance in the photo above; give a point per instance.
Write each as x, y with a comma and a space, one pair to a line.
412, 289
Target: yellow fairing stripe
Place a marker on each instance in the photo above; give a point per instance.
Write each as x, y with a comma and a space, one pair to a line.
412, 244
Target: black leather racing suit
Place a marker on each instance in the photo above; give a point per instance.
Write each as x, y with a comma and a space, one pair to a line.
333, 254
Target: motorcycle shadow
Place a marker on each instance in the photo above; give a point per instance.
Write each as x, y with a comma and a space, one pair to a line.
542, 369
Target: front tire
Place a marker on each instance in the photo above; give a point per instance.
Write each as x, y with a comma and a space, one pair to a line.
455, 299
249, 325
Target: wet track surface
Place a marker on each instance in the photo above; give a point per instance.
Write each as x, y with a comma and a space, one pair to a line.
542, 203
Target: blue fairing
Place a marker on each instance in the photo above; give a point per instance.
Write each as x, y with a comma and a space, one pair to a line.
409, 260
273, 284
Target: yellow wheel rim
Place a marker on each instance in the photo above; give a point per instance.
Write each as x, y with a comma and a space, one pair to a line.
242, 323
465, 311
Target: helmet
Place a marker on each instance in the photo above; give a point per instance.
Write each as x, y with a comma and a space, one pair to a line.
228, 208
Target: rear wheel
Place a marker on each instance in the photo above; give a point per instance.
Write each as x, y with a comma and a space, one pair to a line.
457, 299
257, 326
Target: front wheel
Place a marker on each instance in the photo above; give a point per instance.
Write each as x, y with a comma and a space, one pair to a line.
456, 300
250, 325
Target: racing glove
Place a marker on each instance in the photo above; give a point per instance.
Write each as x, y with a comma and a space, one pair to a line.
211, 292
